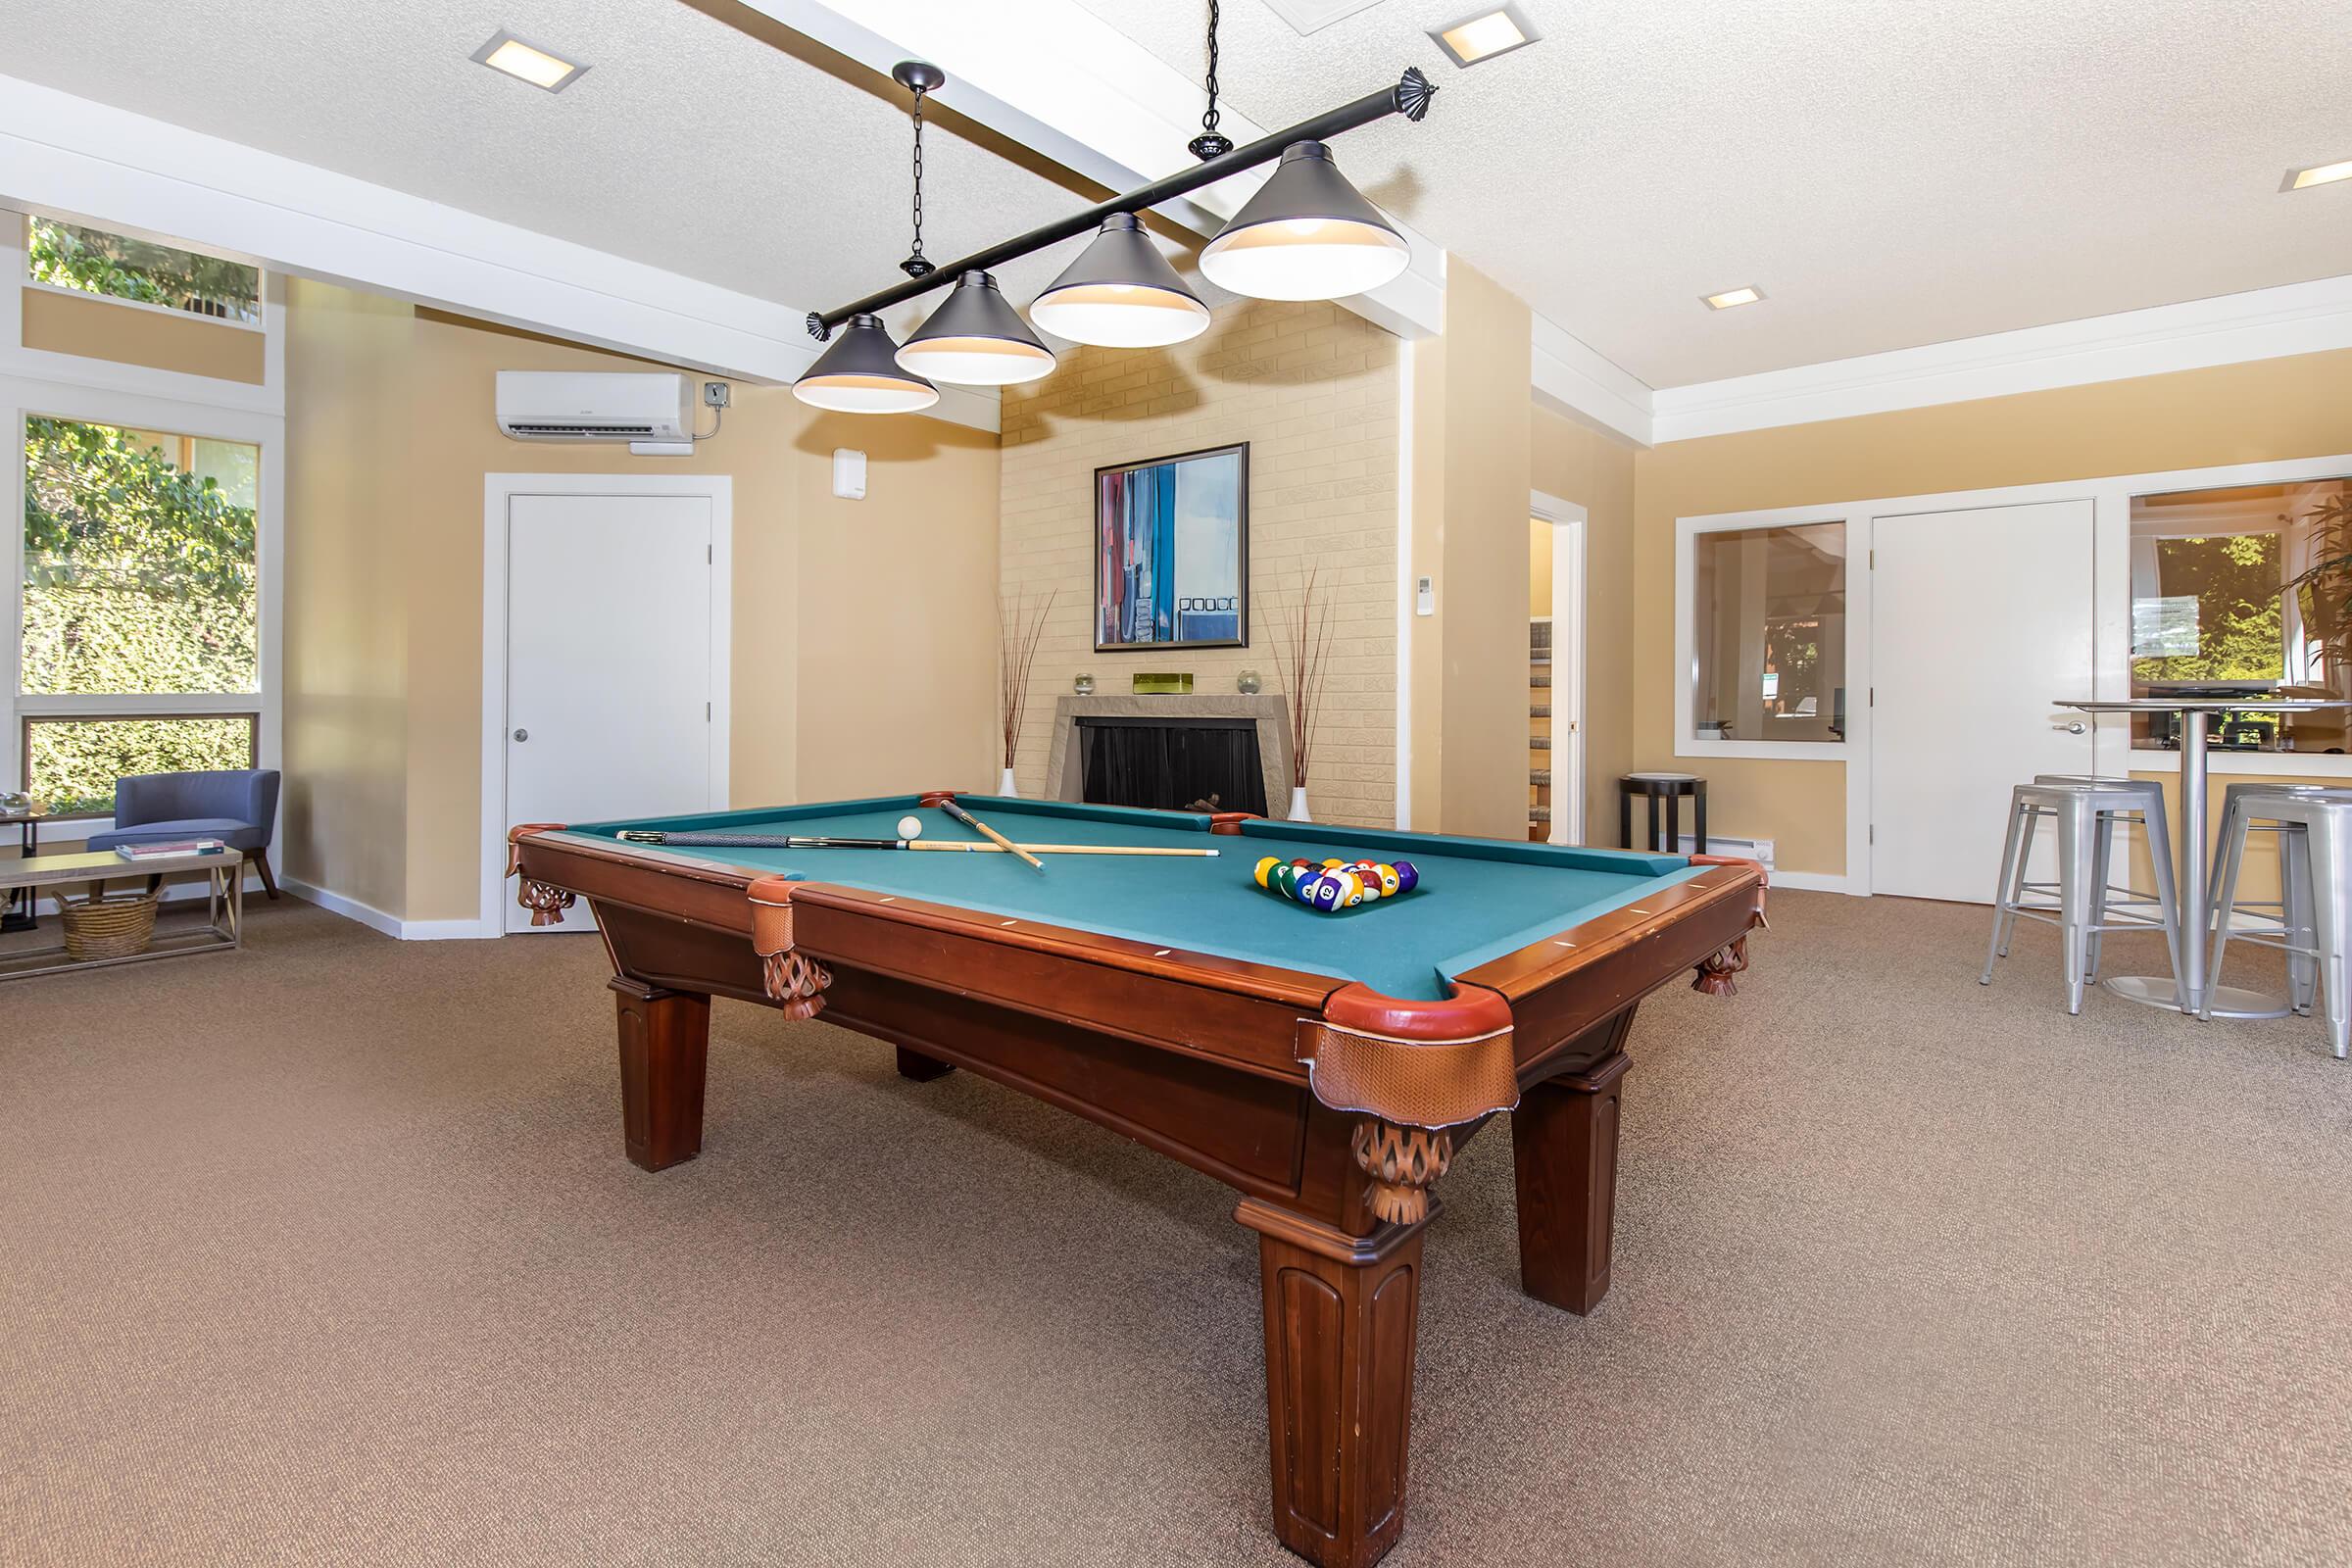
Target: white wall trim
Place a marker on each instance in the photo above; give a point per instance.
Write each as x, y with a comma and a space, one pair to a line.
1404, 587
350, 909
1568, 613
500, 489
1570, 377
2232, 329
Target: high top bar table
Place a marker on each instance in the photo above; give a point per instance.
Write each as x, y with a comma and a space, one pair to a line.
2186, 991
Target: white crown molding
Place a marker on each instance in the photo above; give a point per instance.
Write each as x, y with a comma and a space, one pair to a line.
2228, 330
93, 163
1570, 377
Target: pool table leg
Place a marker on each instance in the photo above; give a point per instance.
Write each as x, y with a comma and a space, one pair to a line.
1342, 1316
921, 1068
1564, 1150
665, 1047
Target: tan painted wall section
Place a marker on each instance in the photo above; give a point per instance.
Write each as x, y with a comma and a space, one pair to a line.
100, 328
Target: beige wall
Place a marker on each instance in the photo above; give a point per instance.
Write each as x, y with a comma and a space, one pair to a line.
2259, 412
100, 328
1313, 388
1472, 475
841, 609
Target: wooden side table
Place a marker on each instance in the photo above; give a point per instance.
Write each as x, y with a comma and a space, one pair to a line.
1671, 788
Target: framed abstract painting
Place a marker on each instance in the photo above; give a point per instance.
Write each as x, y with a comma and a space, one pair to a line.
1172, 552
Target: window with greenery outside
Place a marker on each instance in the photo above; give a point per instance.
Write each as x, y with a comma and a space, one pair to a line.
139, 580
94, 261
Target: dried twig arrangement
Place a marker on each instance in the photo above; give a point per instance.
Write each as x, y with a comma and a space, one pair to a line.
1020, 627
1302, 657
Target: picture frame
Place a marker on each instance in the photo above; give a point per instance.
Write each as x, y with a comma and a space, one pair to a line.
1171, 552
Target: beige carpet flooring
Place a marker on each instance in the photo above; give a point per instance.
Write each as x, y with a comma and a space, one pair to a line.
327, 1254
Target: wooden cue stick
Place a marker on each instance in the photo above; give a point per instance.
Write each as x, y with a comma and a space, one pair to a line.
991, 834
1051, 849
781, 841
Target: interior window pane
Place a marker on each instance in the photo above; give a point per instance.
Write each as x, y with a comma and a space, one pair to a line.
1769, 623
122, 268
2245, 591
138, 562
73, 762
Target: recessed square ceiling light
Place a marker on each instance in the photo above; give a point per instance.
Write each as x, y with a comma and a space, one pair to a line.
1476, 38
2323, 175
1737, 296
527, 62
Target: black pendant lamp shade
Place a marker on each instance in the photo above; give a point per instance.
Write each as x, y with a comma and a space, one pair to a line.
1307, 234
976, 339
859, 373
1120, 293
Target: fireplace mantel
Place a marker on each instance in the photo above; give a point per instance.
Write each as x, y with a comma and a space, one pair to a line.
1270, 710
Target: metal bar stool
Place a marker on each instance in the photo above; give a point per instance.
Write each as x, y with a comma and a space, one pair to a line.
2082, 901
2292, 924
2315, 872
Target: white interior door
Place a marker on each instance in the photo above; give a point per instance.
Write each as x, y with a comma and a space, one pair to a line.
1568, 682
1977, 620
609, 678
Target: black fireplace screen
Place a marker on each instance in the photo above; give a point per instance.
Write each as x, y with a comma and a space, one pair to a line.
1172, 765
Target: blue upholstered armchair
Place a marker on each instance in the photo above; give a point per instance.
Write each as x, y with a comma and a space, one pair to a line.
237, 805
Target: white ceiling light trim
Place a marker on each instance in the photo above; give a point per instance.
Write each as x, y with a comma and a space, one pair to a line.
1732, 299
525, 61
1484, 35
2318, 174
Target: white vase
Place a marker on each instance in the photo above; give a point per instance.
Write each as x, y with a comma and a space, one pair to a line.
1298, 803
1005, 785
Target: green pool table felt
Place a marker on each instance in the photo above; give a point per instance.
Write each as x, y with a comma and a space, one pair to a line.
1478, 899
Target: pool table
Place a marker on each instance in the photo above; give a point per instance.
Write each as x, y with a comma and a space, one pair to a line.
1326, 1066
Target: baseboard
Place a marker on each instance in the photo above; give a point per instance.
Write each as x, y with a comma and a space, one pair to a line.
1818, 882
376, 919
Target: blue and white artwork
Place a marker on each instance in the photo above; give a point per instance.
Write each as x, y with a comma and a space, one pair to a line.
1171, 552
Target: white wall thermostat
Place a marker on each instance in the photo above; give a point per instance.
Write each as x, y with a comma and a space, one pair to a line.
848, 473
1425, 596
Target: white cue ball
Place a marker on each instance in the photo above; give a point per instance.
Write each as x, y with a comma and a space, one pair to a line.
911, 827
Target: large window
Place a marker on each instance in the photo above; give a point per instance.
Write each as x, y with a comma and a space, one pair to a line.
1768, 634
2245, 591
94, 261
140, 594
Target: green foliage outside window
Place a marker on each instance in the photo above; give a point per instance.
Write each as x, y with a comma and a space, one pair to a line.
2241, 616
96, 262
138, 580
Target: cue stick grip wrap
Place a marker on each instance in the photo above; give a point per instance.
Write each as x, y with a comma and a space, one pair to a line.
991, 834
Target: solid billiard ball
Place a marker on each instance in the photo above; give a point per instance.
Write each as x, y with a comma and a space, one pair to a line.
1263, 866
911, 827
1302, 884
1408, 876
1333, 866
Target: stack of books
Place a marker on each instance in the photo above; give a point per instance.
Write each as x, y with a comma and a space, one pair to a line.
165, 851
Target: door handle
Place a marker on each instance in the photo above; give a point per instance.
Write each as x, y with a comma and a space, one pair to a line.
2078, 727
522, 734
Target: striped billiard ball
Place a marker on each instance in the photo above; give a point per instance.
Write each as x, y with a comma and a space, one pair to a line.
1331, 893
1391, 883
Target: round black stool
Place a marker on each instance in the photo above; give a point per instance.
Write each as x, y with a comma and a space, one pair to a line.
1670, 788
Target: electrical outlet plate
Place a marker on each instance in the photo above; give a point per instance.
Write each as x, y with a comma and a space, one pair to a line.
715, 394
1313, 16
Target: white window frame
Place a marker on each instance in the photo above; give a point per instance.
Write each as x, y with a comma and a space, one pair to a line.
2111, 498
101, 392
1686, 740
499, 491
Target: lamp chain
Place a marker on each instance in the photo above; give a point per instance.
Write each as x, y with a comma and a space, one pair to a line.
1209, 143
917, 264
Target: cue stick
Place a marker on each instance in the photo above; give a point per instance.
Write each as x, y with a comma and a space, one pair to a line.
991, 834
779, 841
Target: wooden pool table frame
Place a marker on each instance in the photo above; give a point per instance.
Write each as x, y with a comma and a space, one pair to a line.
1330, 1109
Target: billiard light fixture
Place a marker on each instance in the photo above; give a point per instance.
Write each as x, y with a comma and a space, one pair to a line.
1120, 293
859, 373
527, 62
1737, 296
976, 339
1480, 37
2318, 175
1307, 234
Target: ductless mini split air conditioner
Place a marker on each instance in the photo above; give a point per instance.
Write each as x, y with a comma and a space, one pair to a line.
561, 406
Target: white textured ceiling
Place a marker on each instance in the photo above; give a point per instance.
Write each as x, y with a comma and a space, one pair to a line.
687, 145
1890, 173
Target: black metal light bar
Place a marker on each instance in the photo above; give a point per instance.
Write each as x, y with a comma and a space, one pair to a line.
1409, 97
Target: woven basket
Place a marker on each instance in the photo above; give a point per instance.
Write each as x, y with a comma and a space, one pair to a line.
113, 928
